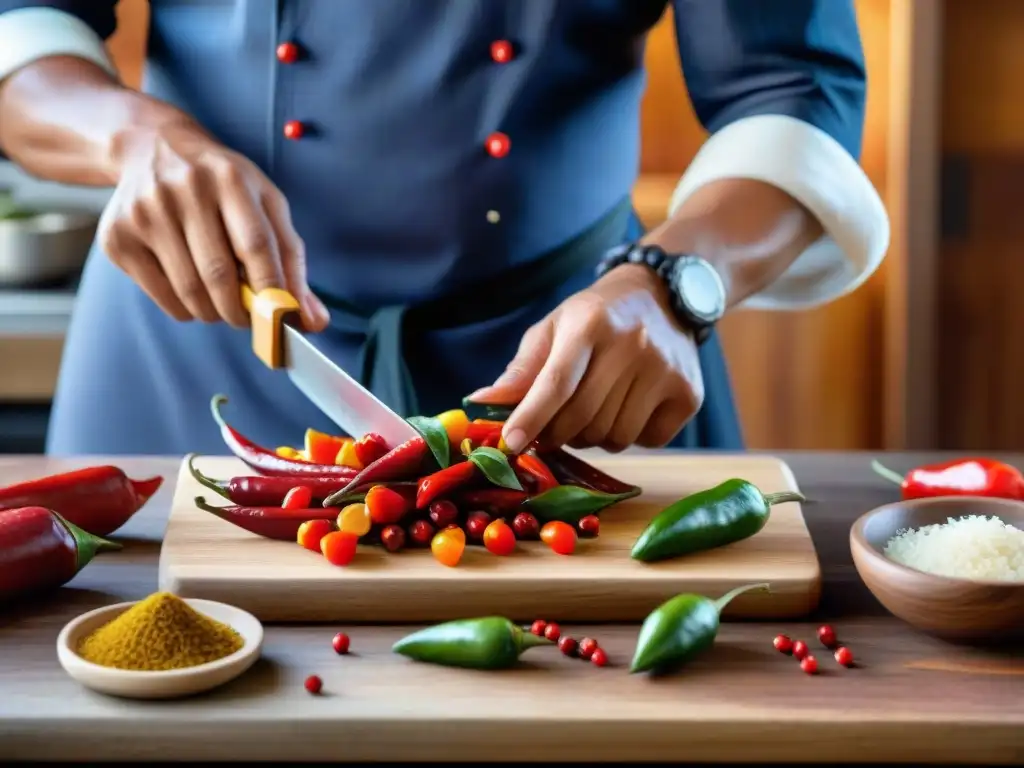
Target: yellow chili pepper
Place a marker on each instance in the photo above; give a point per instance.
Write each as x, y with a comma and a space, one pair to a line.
455, 423
355, 519
466, 447
287, 452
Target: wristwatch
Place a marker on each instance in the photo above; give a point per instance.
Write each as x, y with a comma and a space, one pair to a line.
694, 286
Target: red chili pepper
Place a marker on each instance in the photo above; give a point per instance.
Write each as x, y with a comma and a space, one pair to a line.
269, 522
444, 481
97, 499
265, 461
960, 477
495, 499
482, 430
572, 470
260, 491
538, 470
40, 550
401, 463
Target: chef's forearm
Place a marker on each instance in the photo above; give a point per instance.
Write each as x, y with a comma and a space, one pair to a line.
750, 230
65, 119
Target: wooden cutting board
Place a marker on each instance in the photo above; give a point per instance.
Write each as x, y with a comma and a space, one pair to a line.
206, 557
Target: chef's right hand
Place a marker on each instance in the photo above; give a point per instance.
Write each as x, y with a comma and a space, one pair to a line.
186, 212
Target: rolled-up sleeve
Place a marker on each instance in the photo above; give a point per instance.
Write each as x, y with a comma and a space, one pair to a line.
30, 31
780, 85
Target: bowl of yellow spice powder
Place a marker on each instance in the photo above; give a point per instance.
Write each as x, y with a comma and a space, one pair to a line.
159, 648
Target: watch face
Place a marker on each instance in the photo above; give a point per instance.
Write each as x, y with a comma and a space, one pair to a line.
700, 288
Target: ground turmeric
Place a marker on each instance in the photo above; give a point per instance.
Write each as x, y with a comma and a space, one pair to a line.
161, 632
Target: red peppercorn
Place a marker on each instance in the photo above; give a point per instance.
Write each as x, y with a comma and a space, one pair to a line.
567, 645
783, 644
827, 636
476, 524
443, 512
552, 632
526, 526
599, 658
587, 647
392, 537
340, 643
421, 532
314, 684
809, 664
844, 656
538, 627
590, 525
800, 650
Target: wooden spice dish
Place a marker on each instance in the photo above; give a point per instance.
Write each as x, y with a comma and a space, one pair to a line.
959, 610
161, 684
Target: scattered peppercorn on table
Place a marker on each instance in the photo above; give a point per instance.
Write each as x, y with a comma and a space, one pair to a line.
876, 692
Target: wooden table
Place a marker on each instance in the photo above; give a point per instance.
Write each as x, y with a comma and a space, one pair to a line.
913, 699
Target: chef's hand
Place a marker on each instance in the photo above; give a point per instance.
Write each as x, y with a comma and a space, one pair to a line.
186, 212
609, 367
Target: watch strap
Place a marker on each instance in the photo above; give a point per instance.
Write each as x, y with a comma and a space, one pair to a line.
663, 264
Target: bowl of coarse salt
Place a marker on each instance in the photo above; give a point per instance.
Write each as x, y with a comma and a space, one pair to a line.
951, 566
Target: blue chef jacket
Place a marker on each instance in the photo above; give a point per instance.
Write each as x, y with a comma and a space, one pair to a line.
393, 188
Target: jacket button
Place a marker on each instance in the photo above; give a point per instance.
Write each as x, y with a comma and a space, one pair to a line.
498, 144
288, 53
294, 130
501, 51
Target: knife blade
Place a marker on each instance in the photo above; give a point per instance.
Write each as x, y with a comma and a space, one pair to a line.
280, 345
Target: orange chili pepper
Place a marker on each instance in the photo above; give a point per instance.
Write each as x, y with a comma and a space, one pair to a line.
448, 545
312, 532
339, 547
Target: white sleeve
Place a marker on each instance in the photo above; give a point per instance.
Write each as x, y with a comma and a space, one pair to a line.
30, 34
816, 170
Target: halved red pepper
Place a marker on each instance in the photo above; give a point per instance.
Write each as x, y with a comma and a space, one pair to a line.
369, 448
322, 448
443, 482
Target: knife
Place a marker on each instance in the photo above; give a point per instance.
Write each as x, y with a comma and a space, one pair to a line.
278, 342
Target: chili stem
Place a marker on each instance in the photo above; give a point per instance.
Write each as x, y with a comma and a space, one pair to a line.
883, 471
783, 497
731, 595
202, 479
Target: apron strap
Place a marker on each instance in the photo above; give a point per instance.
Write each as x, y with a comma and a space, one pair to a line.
381, 360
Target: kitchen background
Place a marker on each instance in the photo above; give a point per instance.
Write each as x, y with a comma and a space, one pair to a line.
921, 356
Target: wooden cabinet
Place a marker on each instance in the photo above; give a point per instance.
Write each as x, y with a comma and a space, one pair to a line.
839, 377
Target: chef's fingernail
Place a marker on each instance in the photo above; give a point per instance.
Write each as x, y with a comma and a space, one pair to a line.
516, 440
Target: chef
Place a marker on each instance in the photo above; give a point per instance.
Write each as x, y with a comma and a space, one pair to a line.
444, 186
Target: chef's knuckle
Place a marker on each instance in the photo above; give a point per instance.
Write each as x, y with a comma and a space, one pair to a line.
255, 240
217, 271
191, 290
559, 384
138, 215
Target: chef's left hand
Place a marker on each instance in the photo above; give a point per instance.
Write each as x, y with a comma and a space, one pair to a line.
609, 367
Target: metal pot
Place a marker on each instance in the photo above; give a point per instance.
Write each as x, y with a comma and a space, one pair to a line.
44, 247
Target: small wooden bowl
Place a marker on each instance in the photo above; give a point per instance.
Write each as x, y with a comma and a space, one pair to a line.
163, 684
959, 610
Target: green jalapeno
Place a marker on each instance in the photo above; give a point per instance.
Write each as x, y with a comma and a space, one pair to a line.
729, 512
680, 629
491, 642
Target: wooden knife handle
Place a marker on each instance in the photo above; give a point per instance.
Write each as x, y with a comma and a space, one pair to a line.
268, 310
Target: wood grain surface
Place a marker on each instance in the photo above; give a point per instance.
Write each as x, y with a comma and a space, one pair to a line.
206, 557
914, 699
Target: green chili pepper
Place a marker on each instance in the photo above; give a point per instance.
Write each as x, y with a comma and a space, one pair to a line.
681, 628
491, 642
435, 436
727, 513
570, 503
489, 411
